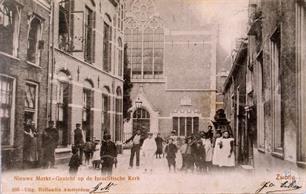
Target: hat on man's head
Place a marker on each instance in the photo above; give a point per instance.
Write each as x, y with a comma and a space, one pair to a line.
78, 124
107, 137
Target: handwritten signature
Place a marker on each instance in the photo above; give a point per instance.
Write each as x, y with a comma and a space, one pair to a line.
284, 186
100, 188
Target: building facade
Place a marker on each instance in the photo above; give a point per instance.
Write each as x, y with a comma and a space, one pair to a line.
172, 59
235, 101
87, 70
24, 39
275, 90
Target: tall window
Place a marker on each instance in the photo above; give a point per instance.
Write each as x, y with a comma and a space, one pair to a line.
6, 109
9, 27
185, 126
89, 35
63, 111
146, 51
278, 132
107, 48
87, 115
64, 39
106, 112
120, 57
30, 102
34, 36
119, 116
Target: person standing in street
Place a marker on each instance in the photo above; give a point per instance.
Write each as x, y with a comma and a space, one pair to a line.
108, 154
135, 150
226, 151
50, 141
30, 153
159, 144
79, 140
207, 143
148, 151
74, 162
171, 150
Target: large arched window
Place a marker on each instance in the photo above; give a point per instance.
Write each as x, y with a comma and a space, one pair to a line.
9, 26
63, 100
145, 41
141, 120
34, 36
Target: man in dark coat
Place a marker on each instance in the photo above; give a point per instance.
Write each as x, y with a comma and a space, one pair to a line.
108, 154
50, 141
137, 140
79, 140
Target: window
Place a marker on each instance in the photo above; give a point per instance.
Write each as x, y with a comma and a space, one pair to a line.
146, 51
63, 113
276, 93
141, 120
86, 115
107, 47
120, 57
31, 102
89, 35
7, 107
34, 36
9, 27
106, 112
64, 39
185, 126
119, 116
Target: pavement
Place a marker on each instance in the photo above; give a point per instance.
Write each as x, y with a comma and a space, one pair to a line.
160, 180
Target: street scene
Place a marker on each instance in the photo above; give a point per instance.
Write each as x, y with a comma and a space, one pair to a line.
153, 96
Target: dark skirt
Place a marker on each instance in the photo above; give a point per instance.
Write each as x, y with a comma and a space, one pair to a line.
159, 150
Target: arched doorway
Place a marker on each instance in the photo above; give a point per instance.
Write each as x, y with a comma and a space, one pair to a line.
141, 120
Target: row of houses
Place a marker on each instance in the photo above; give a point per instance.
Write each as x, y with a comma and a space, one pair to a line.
60, 60
264, 94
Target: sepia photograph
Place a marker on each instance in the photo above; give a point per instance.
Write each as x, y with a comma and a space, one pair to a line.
153, 96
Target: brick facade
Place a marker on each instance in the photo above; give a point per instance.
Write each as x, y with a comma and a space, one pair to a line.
21, 71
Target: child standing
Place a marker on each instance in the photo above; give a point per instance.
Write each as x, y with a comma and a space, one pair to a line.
74, 162
171, 150
87, 150
206, 140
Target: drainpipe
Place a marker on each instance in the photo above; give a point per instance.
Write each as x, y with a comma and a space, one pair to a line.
52, 60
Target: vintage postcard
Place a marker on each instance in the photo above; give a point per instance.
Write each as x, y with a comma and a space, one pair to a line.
153, 96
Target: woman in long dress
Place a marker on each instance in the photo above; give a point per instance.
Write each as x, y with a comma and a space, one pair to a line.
148, 149
30, 153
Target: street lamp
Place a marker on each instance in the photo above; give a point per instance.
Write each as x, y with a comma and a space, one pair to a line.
138, 104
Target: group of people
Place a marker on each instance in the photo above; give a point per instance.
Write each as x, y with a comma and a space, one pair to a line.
105, 154
202, 151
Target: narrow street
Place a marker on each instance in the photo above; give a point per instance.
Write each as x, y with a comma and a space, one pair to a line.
136, 181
